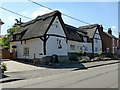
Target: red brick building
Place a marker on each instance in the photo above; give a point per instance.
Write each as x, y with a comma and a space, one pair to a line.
110, 42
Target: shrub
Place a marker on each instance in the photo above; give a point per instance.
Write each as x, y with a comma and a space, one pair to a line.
101, 53
83, 59
4, 66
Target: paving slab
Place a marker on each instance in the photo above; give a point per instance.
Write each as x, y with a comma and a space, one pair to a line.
14, 66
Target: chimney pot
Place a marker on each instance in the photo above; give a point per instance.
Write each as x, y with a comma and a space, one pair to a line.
109, 31
101, 28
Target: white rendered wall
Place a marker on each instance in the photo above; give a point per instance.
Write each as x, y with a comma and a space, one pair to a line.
51, 44
78, 45
35, 47
97, 45
56, 30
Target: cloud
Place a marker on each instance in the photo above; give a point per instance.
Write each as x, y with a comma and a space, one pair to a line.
113, 27
40, 11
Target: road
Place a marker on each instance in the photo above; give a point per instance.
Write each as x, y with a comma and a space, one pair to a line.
97, 77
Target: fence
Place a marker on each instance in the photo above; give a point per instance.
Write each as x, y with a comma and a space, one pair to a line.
6, 54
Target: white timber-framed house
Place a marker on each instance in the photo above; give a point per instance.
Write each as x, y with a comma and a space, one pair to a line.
47, 35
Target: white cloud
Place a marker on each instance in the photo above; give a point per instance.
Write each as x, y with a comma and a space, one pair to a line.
40, 11
113, 27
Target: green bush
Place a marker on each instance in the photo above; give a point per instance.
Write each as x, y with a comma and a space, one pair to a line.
4, 66
83, 59
101, 53
101, 56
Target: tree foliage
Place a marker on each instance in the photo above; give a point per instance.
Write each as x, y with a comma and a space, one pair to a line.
5, 41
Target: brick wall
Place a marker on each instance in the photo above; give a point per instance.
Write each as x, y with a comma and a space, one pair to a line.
107, 42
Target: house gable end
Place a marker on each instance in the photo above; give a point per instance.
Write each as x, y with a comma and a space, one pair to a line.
56, 28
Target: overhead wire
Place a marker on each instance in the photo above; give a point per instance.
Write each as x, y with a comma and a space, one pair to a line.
14, 12
64, 14
49, 9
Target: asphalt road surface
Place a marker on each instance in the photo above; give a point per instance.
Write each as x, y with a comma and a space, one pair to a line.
97, 77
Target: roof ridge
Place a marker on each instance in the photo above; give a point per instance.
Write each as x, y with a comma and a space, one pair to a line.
89, 26
50, 13
39, 18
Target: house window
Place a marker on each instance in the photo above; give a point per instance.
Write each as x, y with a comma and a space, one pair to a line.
56, 21
59, 43
77, 47
26, 51
108, 50
81, 48
96, 49
56, 26
72, 47
86, 48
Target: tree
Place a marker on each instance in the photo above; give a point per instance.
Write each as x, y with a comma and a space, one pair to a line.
5, 41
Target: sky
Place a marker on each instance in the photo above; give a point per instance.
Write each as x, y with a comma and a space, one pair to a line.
103, 13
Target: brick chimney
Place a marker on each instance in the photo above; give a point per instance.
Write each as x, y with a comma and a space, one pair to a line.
109, 31
101, 28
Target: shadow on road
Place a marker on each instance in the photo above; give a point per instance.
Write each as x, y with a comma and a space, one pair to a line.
4, 76
77, 65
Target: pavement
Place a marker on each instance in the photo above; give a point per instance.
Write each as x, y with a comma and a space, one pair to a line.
14, 66
21, 71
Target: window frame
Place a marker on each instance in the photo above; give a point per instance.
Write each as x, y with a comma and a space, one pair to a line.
72, 47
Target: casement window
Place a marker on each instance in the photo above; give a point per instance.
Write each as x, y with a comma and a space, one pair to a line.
81, 48
56, 26
86, 48
59, 43
26, 51
72, 47
77, 47
96, 49
56, 22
